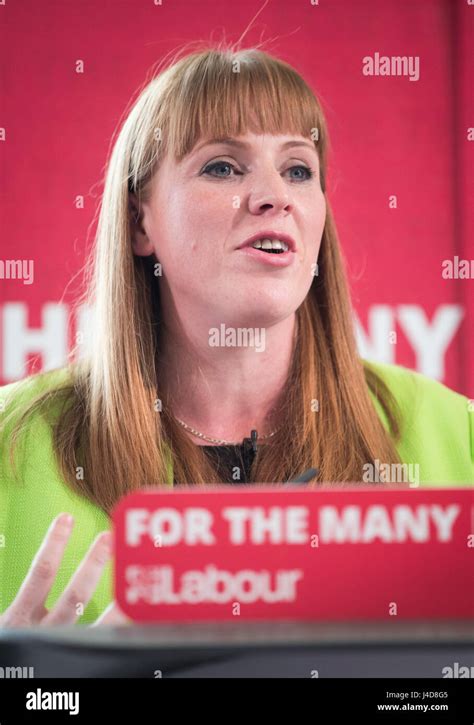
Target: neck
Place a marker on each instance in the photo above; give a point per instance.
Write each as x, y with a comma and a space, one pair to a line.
225, 391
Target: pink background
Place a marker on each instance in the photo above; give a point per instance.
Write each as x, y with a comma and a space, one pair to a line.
390, 136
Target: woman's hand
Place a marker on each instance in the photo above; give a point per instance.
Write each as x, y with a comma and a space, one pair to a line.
28, 606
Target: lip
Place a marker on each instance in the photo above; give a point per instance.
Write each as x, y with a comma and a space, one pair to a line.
284, 259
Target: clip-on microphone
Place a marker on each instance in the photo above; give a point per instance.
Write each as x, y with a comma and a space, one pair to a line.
250, 445
301, 480
252, 441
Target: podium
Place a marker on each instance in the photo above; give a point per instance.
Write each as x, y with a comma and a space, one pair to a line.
393, 649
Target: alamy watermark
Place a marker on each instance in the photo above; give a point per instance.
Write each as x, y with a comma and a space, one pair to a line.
458, 268
45, 700
13, 673
23, 269
237, 337
377, 472
392, 65
458, 670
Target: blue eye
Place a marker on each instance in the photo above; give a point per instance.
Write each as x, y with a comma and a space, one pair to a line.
306, 169
216, 165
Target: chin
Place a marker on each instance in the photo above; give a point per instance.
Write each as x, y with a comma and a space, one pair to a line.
261, 315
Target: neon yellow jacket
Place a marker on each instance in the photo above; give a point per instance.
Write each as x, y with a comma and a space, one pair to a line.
438, 435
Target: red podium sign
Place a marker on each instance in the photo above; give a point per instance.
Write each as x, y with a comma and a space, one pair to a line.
217, 553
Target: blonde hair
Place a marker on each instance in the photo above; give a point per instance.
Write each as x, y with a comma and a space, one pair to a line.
109, 422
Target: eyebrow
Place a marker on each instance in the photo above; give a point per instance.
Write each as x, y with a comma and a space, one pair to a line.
244, 145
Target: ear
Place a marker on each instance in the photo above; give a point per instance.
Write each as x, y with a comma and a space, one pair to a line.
141, 245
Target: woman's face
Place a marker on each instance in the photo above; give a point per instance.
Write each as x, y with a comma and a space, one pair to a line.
202, 210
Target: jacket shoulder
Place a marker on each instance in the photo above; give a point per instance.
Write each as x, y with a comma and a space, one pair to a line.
437, 423
33, 492
412, 389
16, 396
27, 389
30, 424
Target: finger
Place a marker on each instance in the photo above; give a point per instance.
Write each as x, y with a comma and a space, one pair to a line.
83, 583
112, 616
28, 606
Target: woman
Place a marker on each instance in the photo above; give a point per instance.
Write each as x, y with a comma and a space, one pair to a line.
220, 307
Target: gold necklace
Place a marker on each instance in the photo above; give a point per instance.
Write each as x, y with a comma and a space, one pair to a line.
218, 441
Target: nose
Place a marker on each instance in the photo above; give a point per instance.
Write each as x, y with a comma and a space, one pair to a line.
269, 194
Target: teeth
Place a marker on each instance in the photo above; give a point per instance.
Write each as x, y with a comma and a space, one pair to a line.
270, 244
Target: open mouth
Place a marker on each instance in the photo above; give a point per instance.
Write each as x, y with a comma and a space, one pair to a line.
270, 246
